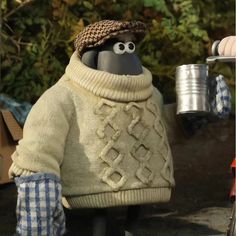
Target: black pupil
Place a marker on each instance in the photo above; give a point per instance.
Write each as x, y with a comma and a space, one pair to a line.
121, 46
131, 46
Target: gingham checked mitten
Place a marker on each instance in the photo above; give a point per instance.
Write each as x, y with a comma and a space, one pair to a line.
221, 100
39, 209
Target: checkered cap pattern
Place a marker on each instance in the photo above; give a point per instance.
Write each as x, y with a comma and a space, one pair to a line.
96, 34
221, 104
39, 210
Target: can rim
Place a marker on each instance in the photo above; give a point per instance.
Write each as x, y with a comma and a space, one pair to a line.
192, 66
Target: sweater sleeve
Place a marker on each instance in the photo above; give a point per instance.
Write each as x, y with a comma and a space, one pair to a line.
44, 134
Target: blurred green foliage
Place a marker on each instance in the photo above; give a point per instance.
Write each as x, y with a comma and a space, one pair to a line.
37, 38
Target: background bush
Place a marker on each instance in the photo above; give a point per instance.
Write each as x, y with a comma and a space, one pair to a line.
37, 38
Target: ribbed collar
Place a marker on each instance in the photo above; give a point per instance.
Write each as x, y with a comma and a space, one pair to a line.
123, 88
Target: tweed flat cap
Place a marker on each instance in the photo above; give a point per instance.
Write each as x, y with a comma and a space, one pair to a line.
96, 34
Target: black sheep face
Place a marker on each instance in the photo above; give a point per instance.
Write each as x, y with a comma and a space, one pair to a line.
116, 56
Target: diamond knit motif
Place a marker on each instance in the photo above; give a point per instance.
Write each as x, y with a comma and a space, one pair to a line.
140, 150
163, 145
112, 174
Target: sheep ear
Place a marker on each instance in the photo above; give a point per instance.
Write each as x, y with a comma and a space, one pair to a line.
90, 58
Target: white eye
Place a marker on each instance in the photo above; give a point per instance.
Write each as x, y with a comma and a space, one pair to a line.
119, 48
129, 47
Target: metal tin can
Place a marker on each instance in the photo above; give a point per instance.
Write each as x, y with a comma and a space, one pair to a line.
192, 89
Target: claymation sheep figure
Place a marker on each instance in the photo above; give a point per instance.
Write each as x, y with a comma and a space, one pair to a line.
98, 137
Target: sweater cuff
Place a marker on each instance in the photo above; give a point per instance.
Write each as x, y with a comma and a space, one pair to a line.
15, 171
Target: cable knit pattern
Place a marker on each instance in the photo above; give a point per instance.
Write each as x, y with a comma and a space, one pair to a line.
159, 127
140, 150
103, 135
113, 175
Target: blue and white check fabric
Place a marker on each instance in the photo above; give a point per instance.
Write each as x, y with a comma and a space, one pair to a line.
221, 102
39, 209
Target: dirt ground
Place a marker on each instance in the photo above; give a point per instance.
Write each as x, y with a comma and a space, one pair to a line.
199, 205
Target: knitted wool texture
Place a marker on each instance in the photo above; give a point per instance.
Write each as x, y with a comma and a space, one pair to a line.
96, 34
103, 135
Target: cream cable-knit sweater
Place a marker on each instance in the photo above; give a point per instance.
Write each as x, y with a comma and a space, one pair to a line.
103, 135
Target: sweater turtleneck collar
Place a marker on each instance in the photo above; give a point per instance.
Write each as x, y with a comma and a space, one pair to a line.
122, 88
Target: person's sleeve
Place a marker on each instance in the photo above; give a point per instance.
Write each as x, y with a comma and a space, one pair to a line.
44, 135
39, 209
